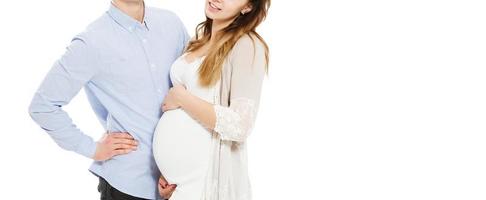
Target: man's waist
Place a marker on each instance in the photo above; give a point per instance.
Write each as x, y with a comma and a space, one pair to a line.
137, 160
136, 180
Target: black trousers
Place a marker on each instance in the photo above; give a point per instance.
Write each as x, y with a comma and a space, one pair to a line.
108, 192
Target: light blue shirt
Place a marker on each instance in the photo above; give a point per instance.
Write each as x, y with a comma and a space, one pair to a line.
123, 66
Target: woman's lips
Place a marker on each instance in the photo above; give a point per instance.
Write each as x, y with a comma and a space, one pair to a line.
214, 7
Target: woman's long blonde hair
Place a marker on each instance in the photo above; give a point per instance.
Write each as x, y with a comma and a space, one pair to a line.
244, 24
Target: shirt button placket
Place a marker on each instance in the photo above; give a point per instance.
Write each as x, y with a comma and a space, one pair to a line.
152, 65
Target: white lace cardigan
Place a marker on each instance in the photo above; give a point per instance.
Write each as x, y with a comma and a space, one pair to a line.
240, 88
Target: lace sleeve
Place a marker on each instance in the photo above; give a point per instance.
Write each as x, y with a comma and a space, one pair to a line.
234, 123
248, 62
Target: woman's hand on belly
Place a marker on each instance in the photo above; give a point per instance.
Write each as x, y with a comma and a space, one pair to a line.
166, 189
172, 99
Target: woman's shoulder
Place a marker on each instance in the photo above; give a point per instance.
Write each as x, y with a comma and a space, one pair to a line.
249, 46
248, 51
249, 42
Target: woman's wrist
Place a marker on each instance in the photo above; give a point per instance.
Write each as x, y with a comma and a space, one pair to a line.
182, 98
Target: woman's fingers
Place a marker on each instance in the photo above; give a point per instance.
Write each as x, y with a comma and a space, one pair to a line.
170, 102
165, 189
166, 192
168, 107
163, 182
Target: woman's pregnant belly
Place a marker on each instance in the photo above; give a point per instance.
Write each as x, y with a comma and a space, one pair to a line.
181, 147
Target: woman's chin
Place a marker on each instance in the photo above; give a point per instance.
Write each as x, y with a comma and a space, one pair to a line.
210, 15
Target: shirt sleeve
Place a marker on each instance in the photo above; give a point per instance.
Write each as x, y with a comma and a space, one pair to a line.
65, 79
234, 123
184, 35
187, 38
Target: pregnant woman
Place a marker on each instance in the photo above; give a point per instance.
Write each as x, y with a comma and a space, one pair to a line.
199, 143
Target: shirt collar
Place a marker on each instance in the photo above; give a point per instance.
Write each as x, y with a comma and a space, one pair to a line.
125, 20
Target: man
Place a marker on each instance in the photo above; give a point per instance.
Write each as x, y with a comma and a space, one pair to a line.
122, 60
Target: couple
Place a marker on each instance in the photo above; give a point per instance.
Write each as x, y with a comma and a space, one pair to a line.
177, 111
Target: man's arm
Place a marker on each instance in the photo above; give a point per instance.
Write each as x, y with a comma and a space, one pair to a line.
65, 79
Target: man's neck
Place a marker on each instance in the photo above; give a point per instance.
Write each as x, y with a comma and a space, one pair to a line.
134, 9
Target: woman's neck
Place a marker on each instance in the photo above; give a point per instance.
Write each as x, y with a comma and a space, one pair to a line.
134, 9
217, 26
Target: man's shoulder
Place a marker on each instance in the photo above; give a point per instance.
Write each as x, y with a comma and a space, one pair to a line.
96, 29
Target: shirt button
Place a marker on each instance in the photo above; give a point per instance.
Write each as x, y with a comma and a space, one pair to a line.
144, 40
159, 90
130, 28
152, 66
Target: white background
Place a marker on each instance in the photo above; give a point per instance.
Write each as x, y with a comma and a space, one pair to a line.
381, 100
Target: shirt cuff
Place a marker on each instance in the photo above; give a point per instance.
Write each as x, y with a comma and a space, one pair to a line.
87, 148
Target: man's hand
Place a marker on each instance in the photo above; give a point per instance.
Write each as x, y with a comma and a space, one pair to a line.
166, 189
113, 144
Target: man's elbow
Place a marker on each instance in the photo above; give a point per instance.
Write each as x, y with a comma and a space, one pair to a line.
37, 110
33, 111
